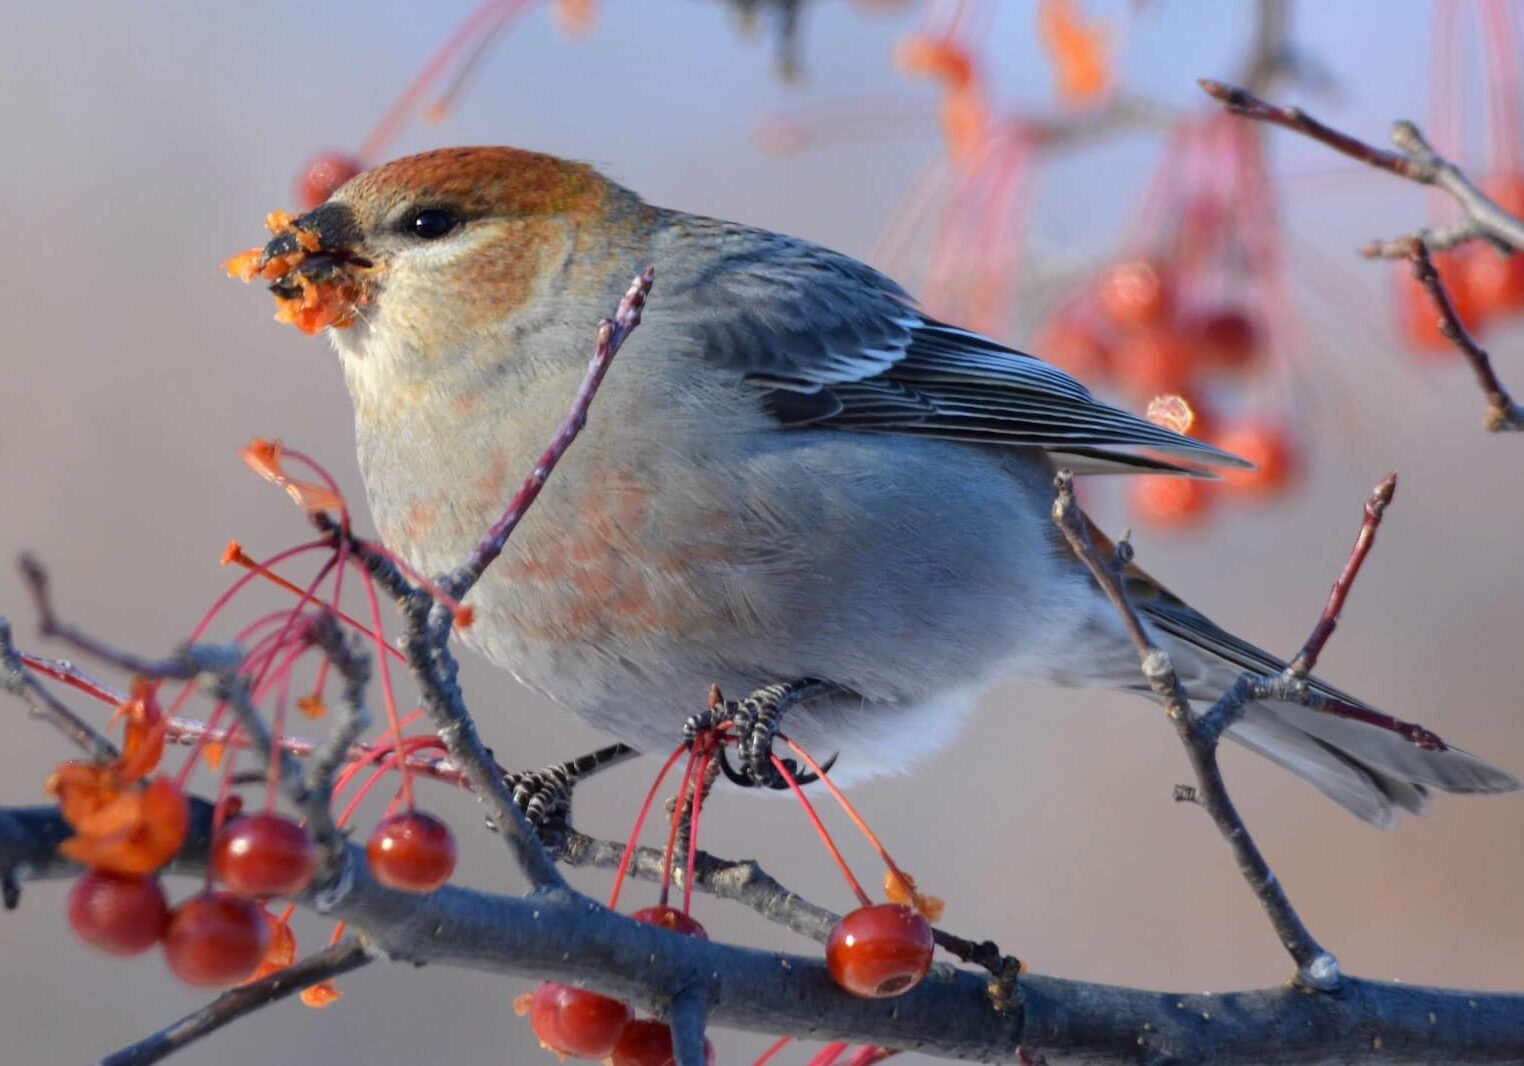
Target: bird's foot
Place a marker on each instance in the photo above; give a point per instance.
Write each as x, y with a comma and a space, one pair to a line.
545, 795
754, 723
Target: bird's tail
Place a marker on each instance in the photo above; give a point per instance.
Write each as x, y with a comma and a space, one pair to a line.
1369, 771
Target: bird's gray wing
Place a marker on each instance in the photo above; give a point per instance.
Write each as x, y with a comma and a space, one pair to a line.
829, 342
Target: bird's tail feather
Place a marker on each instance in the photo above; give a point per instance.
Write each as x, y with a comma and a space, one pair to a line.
1369, 771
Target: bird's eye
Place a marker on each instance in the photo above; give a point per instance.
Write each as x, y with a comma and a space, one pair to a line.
431, 223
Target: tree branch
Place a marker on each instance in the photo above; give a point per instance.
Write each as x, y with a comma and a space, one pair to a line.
1316, 968
1502, 415
1416, 161
337, 959
561, 936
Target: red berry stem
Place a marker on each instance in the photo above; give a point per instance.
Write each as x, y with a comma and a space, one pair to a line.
640, 821
851, 811
677, 817
830, 845
772, 1050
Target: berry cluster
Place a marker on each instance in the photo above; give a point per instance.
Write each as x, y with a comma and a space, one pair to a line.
129, 822
1190, 317
877, 951
1485, 285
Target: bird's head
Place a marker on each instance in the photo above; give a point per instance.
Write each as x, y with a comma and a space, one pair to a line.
432, 254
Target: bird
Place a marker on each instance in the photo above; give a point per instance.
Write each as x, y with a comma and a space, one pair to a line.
795, 483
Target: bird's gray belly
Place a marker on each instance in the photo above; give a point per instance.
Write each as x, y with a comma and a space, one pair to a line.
901, 570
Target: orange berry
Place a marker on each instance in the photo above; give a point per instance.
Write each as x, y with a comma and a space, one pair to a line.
264, 855
411, 852
1153, 360
1071, 344
1495, 281
322, 176
1269, 447
880, 951
216, 939
118, 914
1227, 337
576, 1022
1135, 292
1169, 502
649, 1043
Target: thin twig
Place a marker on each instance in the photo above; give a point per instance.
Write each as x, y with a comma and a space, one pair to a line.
1415, 160
178, 667
16, 679
341, 958
612, 333
323, 764
1306, 659
1316, 968
1502, 415
743, 881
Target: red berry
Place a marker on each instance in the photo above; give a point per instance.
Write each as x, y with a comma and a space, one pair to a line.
1135, 293
1170, 502
672, 920
649, 1043
411, 852
264, 855
216, 939
324, 174
1152, 361
1508, 190
1495, 281
1269, 447
576, 1022
1072, 344
1227, 337
880, 951
117, 914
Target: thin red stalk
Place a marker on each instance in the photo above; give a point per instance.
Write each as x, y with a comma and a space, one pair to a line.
772, 1050
333, 604
317, 468
640, 821
380, 751
74, 678
237, 586
468, 66
846, 805
388, 697
190, 763
392, 762
1502, 74
677, 817
830, 845
693, 831
392, 120
828, 1055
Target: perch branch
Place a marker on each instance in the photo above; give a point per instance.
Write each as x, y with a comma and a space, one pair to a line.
560, 936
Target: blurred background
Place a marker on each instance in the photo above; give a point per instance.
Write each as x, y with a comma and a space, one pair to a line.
147, 142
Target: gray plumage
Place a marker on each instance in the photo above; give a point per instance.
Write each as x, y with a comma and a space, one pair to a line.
790, 472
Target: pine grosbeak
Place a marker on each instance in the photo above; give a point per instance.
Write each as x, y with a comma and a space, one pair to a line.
791, 477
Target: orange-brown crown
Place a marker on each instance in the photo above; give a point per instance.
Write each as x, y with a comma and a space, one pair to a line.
487, 181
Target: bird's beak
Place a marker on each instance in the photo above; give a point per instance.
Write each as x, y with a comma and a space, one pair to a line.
318, 276
327, 234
